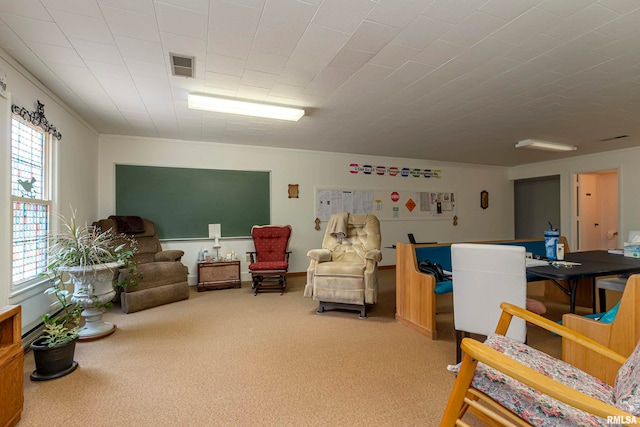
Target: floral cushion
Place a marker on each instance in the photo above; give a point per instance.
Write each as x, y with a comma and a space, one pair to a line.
625, 390
529, 404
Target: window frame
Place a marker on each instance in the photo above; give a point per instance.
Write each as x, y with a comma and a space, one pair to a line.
23, 285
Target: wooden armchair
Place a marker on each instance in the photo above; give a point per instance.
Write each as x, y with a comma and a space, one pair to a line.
621, 335
504, 382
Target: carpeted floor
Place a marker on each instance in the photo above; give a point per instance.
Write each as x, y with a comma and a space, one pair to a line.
228, 358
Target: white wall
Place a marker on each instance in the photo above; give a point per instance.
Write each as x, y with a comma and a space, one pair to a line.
624, 161
310, 169
76, 157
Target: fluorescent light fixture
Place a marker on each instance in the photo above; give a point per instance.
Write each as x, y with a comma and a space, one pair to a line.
545, 145
245, 108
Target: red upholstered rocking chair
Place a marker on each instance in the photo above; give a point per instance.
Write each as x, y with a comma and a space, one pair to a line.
270, 260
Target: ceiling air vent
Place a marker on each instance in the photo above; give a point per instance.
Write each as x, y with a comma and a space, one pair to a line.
182, 65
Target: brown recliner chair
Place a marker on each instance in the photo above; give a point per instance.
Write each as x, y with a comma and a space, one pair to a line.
162, 278
344, 273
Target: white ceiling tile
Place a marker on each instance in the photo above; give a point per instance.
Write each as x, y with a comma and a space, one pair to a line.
421, 32
452, 11
296, 75
581, 22
287, 15
150, 70
82, 27
184, 22
397, 13
79, 7
228, 44
473, 29
131, 24
394, 55
140, 49
222, 81
534, 46
318, 46
372, 37
285, 91
275, 41
145, 7
258, 79
92, 51
624, 27
350, 59
266, 62
225, 64
327, 81
522, 28
372, 73
56, 54
173, 43
564, 8
486, 50
25, 8
197, 5
253, 92
356, 86
620, 6
507, 9
438, 53
35, 30
254, 3
103, 70
235, 18
342, 15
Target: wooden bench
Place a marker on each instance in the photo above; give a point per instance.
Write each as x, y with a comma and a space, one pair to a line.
416, 291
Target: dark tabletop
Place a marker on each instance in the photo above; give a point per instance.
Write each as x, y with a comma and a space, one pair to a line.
593, 264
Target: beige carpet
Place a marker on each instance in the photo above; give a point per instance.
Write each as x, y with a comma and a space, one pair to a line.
228, 358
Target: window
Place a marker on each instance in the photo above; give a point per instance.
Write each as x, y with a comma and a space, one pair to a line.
30, 200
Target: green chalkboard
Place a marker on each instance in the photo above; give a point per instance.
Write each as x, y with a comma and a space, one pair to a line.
183, 201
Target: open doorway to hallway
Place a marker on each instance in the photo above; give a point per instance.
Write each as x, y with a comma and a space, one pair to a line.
596, 210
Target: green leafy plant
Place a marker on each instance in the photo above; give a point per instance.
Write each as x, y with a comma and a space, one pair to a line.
80, 246
63, 327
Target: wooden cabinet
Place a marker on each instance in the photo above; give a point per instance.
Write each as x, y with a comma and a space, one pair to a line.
11, 366
218, 275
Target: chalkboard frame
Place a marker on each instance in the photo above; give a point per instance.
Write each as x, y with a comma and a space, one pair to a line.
183, 201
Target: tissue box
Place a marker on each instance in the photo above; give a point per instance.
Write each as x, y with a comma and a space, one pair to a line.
632, 249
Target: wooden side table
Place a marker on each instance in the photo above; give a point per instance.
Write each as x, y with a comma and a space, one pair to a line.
11, 365
218, 275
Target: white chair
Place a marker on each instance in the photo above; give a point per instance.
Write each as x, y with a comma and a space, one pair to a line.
483, 277
616, 284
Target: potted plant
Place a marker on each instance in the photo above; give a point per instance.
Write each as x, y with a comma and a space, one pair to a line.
54, 350
91, 258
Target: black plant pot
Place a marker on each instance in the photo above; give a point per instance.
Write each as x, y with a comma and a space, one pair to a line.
54, 362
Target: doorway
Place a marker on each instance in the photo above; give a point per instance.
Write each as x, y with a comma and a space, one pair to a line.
596, 210
536, 205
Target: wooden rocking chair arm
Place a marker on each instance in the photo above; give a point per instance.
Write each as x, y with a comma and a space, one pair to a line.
509, 310
538, 381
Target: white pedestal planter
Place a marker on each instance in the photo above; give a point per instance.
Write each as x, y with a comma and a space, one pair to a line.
93, 287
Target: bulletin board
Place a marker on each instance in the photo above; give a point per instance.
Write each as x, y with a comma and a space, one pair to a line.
385, 204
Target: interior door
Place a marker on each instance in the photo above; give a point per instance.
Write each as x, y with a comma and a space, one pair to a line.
597, 210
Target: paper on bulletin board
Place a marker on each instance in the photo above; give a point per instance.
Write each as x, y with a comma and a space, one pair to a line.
385, 204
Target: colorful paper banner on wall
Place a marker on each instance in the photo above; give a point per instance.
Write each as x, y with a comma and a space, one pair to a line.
355, 168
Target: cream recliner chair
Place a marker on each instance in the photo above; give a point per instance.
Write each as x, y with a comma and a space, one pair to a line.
344, 273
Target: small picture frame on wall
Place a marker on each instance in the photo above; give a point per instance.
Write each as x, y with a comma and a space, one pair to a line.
484, 199
293, 191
